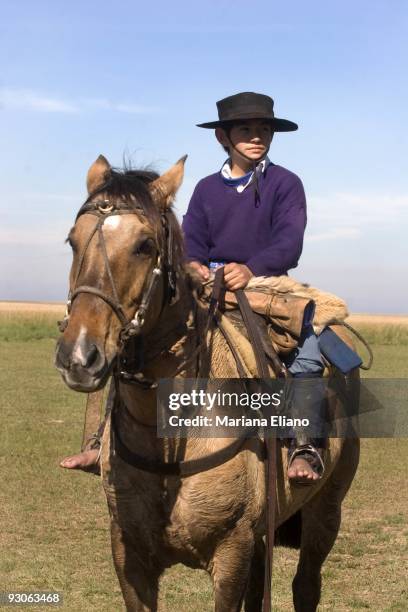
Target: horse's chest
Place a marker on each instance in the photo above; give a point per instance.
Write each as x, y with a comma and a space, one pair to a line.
179, 521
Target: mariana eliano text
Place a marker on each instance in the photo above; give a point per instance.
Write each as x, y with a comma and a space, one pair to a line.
242, 421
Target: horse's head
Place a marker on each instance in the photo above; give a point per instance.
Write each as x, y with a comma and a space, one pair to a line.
127, 249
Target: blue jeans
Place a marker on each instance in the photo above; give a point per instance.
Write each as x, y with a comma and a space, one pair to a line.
306, 358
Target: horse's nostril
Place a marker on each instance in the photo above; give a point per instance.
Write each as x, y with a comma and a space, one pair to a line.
63, 355
91, 357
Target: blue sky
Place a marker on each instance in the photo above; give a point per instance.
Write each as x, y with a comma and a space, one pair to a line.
82, 78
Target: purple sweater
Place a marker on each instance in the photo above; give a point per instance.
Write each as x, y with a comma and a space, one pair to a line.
224, 225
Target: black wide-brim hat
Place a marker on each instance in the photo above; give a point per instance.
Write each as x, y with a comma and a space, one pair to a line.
245, 106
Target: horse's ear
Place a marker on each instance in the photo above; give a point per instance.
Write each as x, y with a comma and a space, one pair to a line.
165, 187
96, 173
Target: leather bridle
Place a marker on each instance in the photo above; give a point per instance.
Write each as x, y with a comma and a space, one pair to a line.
164, 266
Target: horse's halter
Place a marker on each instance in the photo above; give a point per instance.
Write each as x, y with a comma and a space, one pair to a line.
103, 209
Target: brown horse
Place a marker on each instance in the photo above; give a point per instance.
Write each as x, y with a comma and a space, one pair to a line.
128, 281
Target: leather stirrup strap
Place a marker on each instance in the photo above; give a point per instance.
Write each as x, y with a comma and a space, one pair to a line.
270, 443
92, 416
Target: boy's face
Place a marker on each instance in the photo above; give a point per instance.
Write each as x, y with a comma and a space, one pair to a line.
252, 138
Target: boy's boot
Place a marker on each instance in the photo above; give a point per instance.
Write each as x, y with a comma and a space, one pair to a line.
307, 400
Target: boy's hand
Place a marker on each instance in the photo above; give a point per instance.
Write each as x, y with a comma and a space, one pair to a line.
201, 269
236, 276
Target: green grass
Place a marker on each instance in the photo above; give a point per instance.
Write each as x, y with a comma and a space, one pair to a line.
54, 523
385, 334
27, 326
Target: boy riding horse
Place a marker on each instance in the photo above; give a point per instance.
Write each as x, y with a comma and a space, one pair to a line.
250, 217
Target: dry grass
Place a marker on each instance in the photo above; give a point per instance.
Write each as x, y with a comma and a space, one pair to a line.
376, 319
58, 307
32, 307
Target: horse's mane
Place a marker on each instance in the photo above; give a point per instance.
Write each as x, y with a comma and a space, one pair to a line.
132, 187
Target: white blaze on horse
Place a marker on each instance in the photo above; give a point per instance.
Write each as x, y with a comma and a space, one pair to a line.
129, 287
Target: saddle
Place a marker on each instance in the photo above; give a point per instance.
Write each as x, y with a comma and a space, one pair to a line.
282, 307
279, 318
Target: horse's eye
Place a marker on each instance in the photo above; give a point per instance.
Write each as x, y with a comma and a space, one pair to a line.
146, 247
72, 244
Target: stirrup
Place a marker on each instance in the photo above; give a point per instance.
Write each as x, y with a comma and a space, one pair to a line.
314, 459
93, 443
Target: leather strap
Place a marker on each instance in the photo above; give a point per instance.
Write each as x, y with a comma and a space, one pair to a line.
194, 466
270, 492
270, 443
238, 361
175, 468
253, 333
92, 416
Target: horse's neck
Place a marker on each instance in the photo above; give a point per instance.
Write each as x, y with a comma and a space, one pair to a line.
171, 342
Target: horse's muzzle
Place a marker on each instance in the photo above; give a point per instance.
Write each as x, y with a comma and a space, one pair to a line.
82, 365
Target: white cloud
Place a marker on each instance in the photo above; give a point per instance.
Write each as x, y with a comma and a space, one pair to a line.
29, 100
335, 234
25, 99
358, 210
106, 104
37, 236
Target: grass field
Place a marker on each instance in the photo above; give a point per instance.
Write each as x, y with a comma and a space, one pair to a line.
54, 525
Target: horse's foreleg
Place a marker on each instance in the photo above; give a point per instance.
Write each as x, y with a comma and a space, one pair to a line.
139, 584
320, 525
230, 572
